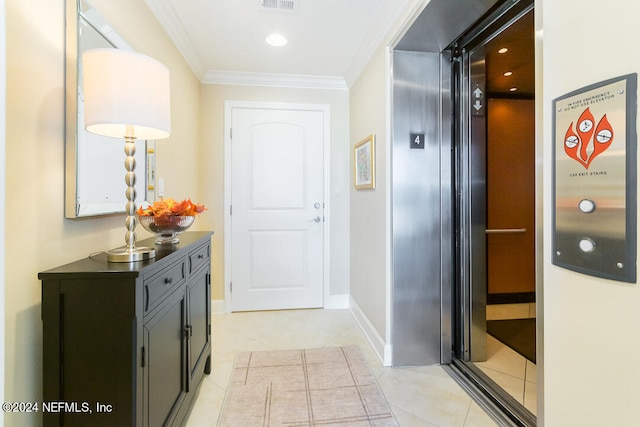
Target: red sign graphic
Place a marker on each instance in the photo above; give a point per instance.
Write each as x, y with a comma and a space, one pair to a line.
578, 143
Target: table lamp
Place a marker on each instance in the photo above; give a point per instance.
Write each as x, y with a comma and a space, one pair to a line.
126, 95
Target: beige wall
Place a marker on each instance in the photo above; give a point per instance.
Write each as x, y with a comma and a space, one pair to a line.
3, 115
368, 100
212, 166
591, 326
370, 270
38, 236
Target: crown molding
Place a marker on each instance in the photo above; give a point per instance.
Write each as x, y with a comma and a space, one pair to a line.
245, 78
167, 17
394, 16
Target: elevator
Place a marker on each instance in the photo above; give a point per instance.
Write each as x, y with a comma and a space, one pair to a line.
460, 237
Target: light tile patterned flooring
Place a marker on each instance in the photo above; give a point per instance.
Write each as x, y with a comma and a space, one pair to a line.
514, 373
418, 396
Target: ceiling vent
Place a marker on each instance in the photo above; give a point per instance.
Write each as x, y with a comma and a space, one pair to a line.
286, 6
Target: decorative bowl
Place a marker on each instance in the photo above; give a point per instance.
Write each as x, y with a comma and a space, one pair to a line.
166, 227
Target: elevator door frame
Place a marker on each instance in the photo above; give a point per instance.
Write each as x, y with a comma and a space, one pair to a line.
470, 214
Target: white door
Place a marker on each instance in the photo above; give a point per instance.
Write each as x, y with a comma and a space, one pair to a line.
277, 209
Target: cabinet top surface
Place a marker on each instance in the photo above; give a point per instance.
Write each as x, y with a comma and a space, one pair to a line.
98, 264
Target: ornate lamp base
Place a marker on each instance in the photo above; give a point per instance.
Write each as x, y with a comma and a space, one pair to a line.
130, 253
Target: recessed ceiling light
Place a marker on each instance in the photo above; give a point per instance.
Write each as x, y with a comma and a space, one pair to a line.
513, 89
503, 50
508, 73
277, 40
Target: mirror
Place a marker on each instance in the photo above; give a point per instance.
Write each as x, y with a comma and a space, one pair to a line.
94, 165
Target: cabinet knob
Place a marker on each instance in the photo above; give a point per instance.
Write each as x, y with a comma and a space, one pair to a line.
200, 256
168, 280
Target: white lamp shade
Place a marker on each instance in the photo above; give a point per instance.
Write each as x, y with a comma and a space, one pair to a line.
125, 94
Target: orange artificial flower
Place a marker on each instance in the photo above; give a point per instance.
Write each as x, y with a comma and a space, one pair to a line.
170, 207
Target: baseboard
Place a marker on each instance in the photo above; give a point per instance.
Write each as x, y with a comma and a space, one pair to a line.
511, 298
382, 349
217, 306
335, 302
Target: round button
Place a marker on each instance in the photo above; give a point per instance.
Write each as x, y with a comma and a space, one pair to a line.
587, 245
587, 206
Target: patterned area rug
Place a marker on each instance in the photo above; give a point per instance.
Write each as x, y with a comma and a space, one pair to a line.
295, 388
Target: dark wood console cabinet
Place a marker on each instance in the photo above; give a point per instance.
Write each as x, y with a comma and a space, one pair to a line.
127, 344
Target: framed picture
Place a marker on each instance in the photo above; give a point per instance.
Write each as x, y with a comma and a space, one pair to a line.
365, 163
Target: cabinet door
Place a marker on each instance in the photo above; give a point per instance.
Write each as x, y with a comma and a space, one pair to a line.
164, 342
89, 348
199, 350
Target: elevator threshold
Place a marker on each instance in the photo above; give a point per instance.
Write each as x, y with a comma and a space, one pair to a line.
499, 405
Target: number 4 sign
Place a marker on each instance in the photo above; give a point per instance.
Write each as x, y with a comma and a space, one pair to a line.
417, 140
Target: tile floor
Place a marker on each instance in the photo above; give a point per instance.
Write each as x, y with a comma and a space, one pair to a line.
418, 396
511, 371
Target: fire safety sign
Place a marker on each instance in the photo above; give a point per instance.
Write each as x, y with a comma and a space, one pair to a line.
594, 212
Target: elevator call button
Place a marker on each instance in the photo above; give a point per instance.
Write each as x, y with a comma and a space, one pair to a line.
587, 206
587, 245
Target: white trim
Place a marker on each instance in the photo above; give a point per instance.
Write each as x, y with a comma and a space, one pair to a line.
337, 302
388, 226
382, 349
244, 78
168, 18
227, 205
326, 110
391, 11
217, 306
384, 23
410, 18
326, 241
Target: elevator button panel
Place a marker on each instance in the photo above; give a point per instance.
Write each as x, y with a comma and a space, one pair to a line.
594, 212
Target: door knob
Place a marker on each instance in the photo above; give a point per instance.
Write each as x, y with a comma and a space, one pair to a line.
316, 219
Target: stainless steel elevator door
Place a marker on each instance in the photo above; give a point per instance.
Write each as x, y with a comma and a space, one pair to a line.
472, 206
495, 177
